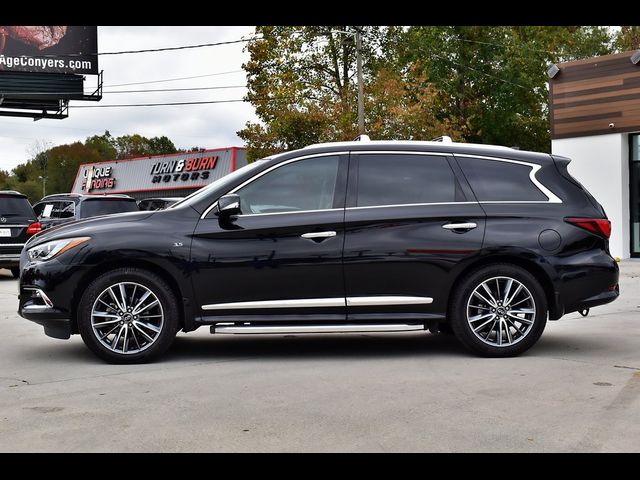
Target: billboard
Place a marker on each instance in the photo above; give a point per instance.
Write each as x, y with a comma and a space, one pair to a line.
49, 49
150, 176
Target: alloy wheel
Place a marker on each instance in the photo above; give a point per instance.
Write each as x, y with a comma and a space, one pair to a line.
127, 318
501, 311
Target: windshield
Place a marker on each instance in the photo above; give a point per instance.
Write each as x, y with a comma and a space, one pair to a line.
93, 208
219, 183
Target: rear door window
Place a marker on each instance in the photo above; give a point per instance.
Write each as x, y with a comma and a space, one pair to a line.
500, 181
405, 179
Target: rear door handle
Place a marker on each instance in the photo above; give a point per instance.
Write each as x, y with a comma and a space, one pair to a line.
460, 226
318, 235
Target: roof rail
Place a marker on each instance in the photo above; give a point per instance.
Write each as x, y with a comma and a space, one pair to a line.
443, 139
362, 138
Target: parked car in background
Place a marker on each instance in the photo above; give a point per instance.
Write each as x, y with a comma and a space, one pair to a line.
66, 207
158, 203
17, 224
485, 241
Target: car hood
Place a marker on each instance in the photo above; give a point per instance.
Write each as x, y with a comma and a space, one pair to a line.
87, 227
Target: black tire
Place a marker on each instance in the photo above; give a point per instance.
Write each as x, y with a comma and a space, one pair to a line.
15, 271
462, 294
149, 280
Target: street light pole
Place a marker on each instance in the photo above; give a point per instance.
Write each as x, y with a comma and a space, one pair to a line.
360, 83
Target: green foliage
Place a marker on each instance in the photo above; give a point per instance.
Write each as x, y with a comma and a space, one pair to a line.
59, 164
628, 38
484, 84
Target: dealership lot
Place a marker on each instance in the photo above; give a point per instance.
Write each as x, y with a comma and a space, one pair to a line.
578, 389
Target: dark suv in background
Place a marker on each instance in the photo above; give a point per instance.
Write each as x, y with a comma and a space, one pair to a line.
17, 224
362, 236
157, 203
66, 207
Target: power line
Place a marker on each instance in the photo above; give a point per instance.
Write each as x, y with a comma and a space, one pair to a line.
504, 46
178, 89
173, 79
184, 47
190, 89
480, 72
156, 104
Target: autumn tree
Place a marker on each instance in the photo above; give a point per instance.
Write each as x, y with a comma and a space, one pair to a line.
628, 38
302, 83
483, 84
494, 78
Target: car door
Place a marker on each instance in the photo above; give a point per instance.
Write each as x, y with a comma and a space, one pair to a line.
282, 257
410, 219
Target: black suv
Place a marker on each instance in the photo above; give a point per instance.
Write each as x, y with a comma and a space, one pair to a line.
17, 224
157, 203
67, 207
362, 236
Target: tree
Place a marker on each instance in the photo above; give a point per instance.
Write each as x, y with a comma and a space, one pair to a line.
302, 83
494, 78
628, 38
60, 164
484, 84
105, 145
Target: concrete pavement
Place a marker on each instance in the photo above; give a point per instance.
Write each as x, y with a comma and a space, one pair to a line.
578, 389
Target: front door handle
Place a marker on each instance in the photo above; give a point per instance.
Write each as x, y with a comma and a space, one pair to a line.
460, 226
318, 235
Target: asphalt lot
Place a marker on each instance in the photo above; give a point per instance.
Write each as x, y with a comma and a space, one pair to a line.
578, 389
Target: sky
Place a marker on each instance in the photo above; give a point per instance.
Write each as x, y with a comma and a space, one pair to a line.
207, 126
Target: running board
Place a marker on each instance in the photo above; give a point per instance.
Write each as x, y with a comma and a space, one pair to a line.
389, 327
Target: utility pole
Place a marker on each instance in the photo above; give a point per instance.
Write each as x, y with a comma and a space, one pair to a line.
360, 83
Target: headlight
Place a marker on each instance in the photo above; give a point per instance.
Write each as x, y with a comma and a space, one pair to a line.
54, 248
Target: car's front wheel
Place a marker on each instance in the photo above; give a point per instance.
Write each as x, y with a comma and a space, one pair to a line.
499, 311
15, 271
128, 315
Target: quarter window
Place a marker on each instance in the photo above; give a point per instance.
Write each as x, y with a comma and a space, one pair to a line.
308, 184
400, 179
495, 180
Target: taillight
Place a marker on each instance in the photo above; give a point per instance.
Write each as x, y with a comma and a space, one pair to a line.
599, 226
34, 228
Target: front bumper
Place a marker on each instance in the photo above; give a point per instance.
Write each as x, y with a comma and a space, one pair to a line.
47, 295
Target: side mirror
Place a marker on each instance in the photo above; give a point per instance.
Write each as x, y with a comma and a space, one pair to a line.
229, 205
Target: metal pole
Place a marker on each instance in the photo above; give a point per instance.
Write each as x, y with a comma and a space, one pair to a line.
360, 84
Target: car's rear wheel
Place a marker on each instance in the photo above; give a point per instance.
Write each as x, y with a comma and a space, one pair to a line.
499, 311
15, 271
128, 315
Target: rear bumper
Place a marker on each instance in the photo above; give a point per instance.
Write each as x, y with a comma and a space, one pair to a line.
583, 281
600, 299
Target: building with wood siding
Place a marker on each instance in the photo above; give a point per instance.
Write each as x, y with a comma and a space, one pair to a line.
594, 109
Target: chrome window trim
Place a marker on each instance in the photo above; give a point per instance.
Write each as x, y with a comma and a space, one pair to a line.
4, 225
412, 205
363, 301
552, 197
11, 244
264, 172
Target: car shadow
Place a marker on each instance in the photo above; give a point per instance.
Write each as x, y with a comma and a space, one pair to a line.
320, 347
298, 347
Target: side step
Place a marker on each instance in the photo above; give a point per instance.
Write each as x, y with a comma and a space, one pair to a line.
389, 327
